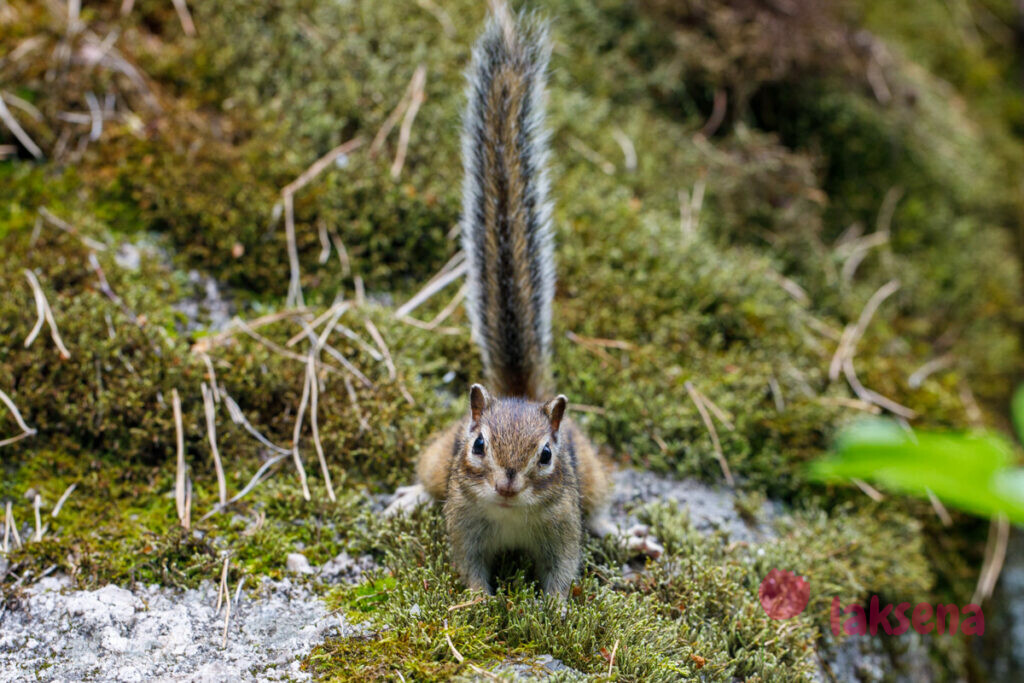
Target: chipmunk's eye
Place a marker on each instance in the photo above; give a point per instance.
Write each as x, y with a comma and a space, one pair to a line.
545, 455
478, 445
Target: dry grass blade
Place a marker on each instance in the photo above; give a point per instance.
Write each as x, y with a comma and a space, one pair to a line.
971, 407
392, 120
628, 150
718, 412
7, 527
339, 247
696, 397
10, 528
360, 290
940, 510
330, 312
591, 155
47, 314
596, 349
360, 342
859, 250
253, 483
17, 131
63, 499
63, 225
222, 588
446, 312
238, 417
347, 364
296, 435
211, 432
294, 283
690, 205
277, 348
227, 621
777, 397
791, 288
928, 369
211, 375
995, 554
462, 605
320, 164
432, 288
847, 402
314, 394
26, 431
37, 295
179, 481
389, 362
207, 344
441, 15
874, 397
108, 291
184, 17
869, 490
455, 653
852, 335
419, 81
37, 503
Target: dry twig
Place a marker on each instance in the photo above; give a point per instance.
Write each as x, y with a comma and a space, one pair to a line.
928, 369
297, 433
37, 502
690, 204
63, 498
432, 288
388, 361
184, 17
995, 554
179, 481
211, 432
18, 132
419, 81
26, 431
698, 401
41, 302
294, 284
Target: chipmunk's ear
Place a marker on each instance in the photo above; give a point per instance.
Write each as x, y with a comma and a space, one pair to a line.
479, 399
555, 410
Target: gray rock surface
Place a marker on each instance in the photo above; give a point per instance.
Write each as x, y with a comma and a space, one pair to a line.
153, 633
710, 508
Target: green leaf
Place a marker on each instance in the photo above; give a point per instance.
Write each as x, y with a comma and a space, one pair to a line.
969, 471
1017, 412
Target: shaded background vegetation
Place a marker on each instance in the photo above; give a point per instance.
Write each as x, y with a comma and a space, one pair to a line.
836, 147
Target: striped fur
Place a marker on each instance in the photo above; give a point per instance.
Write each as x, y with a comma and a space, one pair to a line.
506, 223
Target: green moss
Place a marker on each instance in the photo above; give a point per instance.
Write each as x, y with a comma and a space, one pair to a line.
696, 610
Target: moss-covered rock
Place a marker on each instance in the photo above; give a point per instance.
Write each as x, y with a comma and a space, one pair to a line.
699, 248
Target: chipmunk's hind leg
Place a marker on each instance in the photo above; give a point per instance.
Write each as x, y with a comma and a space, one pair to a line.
636, 539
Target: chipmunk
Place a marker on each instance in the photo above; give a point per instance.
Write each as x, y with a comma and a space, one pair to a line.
515, 473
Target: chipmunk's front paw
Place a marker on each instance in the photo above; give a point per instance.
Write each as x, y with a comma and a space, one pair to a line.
407, 499
638, 539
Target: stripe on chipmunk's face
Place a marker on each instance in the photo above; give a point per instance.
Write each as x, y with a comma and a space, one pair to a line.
513, 455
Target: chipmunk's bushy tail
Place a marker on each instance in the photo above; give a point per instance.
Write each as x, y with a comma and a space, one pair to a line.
506, 217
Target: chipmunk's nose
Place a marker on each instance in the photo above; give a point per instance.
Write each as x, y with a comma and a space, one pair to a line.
507, 488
